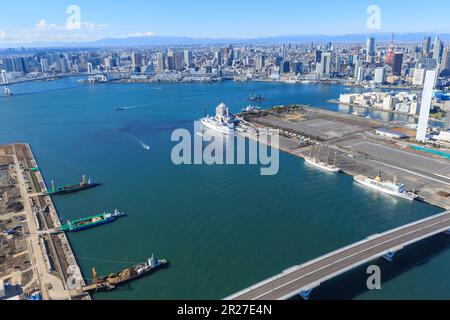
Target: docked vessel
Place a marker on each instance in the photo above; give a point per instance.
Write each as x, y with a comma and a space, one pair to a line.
224, 122
251, 109
326, 166
115, 280
85, 184
322, 165
389, 187
90, 222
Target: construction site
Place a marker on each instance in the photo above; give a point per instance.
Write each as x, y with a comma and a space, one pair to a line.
35, 262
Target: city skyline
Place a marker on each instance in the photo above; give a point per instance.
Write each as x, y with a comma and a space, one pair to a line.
49, 22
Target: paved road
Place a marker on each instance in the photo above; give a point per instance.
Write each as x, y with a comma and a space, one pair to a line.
310, 275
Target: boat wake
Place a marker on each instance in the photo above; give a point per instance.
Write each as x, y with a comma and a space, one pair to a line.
130, 108
145, 146
140, 142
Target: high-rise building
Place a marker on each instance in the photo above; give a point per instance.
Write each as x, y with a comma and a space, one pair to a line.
285, 67
380, 75
419, 77
426, 46
445, 64
325, 64
218, 57
427, 94
260, 63
187, 58
370, 50
90, 68
426, 63
437, 50
318, 56
64, 65
136, 59
44, 65
297, 67
361, 74
397, 64
161, 61
283, 52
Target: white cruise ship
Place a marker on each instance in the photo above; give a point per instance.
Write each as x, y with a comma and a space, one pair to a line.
224, 122
389, 187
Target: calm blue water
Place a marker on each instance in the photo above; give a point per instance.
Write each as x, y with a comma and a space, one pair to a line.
222, 227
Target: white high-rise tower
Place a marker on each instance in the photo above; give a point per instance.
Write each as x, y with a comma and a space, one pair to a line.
427, 95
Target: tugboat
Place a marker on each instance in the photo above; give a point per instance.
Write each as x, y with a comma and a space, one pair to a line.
114, 280
85, 184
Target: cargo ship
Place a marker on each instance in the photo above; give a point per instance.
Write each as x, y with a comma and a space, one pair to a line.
85, 184
90, 222
114, 280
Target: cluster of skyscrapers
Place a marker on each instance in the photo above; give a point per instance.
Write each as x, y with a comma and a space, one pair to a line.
379, 63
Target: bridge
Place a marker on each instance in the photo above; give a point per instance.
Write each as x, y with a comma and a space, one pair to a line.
301, 280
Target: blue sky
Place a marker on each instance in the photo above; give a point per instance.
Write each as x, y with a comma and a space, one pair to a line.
45, 20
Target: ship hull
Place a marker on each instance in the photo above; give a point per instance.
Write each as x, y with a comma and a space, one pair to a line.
104, 284
92, 225
364, 182
322, 167
73, 189
221, 129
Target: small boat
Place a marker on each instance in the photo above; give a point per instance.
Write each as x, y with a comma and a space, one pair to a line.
120, 109
251, 109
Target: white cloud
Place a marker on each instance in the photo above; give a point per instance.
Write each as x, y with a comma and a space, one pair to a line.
43, 25
142, 34
90, 26
2, 35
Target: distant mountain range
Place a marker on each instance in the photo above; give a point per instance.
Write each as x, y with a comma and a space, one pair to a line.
175, 41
